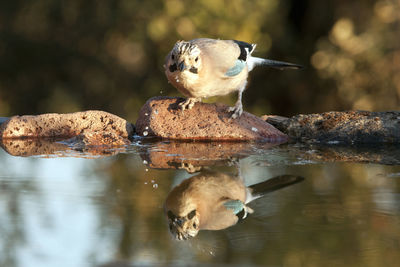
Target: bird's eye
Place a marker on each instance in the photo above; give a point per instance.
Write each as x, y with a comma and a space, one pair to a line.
172, 56
194, 225
191, 214
196, 59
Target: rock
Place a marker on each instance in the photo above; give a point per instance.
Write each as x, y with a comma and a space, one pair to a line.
161, 117
192, 156
350, 127
65, 125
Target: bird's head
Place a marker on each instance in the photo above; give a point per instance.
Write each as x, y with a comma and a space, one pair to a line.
185, 56
183, 227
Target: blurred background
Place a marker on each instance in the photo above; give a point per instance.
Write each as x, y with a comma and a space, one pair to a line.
66, 56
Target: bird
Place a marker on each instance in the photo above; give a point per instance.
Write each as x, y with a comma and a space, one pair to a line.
214, 201
205, 67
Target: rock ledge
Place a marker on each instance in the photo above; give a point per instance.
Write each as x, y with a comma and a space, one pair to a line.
161, 117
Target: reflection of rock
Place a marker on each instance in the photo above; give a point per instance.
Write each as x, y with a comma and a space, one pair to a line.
65, 125
161, 117
97, 139
192, 155
48, 147
214, 201
350, 127
382, 154
32, 147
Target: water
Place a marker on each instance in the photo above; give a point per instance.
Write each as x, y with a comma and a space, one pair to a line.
98, 207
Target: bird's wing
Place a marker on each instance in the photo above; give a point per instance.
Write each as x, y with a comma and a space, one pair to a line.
221, 55
235, 205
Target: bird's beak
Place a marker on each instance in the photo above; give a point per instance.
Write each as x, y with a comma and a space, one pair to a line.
181, 66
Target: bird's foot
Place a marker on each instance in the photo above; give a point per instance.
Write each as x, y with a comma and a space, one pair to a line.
189, 103
236, 110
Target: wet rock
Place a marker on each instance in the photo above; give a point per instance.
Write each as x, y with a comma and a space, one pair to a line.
192, 156
350, 127
66, 125
161, 117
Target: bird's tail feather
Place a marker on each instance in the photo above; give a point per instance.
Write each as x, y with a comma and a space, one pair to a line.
270, 185
254, 61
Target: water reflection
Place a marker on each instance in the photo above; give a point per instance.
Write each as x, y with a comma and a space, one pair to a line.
193, 156
51, 147
90, 211
215, 201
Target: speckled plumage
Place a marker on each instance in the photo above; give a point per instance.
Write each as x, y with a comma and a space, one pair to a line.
204, 67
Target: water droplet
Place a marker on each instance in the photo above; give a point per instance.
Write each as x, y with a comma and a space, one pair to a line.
145, 162
145, 133
254, 129
155, 185
147, 170
146, 114
147, 127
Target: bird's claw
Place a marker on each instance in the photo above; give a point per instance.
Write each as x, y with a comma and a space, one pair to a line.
236, 110
188, 103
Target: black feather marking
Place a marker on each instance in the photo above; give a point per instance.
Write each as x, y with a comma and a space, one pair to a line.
193, 70
173, 67
243, 51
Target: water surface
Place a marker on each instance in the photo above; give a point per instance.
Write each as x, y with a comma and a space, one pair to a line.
103, 207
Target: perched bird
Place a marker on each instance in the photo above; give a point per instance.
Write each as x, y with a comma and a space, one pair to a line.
214, 201
203, 68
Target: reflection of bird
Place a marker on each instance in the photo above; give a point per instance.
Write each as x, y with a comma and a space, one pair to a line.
203, 67
214, 201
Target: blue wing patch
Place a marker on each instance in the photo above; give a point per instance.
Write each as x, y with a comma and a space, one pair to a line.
235, 205
235, 70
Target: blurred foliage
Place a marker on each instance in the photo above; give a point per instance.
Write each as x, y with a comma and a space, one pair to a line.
65, 56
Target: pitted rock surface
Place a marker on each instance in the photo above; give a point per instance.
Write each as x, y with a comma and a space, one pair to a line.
65, 125
161, 117
347, 127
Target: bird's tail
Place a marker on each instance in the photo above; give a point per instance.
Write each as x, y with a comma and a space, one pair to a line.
254, 61
270, 185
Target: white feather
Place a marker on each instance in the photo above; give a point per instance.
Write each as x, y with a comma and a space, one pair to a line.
253, 61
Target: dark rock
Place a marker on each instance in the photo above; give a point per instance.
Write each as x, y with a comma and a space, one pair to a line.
350, 127
65, 125
161, 117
